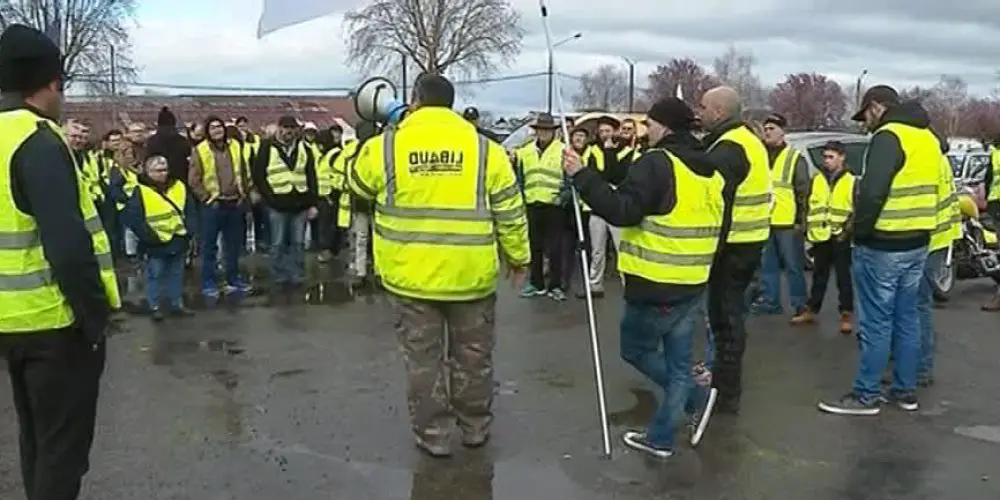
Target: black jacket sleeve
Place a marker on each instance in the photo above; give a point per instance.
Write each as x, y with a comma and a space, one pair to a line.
311, 181
883, 160
648, 189
45, 187
615, 171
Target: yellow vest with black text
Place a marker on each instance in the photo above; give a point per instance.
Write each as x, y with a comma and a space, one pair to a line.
162, 217
752, 206
994, 187
782, 179
210, 173
912, 201
434, 233
593, 151
30, 300
829, 208
543, 173
949, 216
341, 167
677, 248
284, 180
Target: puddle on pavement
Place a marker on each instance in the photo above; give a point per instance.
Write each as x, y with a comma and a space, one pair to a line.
639, 413
988, 433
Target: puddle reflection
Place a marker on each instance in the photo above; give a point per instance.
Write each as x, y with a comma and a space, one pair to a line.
468, 479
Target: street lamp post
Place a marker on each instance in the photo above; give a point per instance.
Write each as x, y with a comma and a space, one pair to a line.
550, 71
631, 84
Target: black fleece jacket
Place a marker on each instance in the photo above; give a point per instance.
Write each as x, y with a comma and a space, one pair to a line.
648, 189
884, 158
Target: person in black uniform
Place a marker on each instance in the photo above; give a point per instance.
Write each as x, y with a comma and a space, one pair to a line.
51, 330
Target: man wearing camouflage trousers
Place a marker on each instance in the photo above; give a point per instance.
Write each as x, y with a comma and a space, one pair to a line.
445, 202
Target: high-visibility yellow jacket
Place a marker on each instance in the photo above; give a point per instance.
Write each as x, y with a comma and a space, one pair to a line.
592, 156
91, 172
994, 187
326, 178
677, 248
284, 180
543, 173
210, 173
829, 206
783, 211
949, 217
444, 196
341, 166
913, 195
165, 218
30, 301
752, 206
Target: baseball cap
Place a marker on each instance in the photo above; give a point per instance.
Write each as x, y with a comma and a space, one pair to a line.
882, 94
288, 121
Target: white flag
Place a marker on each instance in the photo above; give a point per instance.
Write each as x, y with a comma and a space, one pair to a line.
278, 14
679, 93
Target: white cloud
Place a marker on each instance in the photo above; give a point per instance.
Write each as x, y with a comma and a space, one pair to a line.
214, 43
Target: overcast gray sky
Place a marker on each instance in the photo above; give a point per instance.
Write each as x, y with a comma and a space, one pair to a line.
900, 42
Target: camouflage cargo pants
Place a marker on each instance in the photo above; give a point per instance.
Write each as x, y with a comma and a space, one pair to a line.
453, 386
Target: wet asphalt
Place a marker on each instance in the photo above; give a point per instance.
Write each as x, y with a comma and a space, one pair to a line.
250, 401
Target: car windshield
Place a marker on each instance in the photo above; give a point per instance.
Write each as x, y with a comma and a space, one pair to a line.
976, 168
956, 164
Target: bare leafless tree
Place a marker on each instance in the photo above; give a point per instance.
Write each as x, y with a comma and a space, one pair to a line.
605, 89
93, 36
466, 38
735, 68
948, 98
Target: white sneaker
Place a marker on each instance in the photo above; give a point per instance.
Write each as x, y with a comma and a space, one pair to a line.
637, 441
701, 418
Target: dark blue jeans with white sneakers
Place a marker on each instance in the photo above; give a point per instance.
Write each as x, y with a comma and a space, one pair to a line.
657, 341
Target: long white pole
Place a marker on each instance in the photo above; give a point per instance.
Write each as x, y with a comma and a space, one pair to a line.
584, 264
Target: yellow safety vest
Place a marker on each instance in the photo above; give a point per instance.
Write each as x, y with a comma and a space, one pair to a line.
912, 201
782, 179
629, 154
30, 301
209, 172
752, 205
440, 207
341, 166
593, 151
249, 151
284, 180
325, 176
128, 187
679, 247
994, 194
92, 173
164, 219
949, 216
543, 174
829, 208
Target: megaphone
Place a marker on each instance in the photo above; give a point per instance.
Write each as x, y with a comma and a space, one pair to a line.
376, 100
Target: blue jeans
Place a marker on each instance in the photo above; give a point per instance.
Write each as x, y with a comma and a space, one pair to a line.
785, 248
229, 220
925, 304
644, 330
288, 258
164, 279
887, 287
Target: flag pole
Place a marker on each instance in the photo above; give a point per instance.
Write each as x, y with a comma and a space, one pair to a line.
584, 263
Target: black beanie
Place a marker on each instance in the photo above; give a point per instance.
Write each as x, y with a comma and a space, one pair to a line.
166, 118
672, 113
29, 60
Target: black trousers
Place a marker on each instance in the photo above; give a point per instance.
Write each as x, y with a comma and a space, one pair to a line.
56, 379
326, 234
833, 256
731, 274
571, 246
546, 229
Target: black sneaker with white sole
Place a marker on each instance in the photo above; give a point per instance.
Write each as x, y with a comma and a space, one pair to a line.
906, 401
851, 404
699, 420
637, 441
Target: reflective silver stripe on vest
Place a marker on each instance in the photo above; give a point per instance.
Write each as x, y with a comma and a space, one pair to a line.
680, 232
665, 258
785, 180
751, 200
389, 208
26, 240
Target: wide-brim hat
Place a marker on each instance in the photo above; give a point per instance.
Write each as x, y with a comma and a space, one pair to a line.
545, 121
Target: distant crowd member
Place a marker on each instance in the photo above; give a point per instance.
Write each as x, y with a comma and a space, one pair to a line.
170, 144
218, 179
161, 213
284, 175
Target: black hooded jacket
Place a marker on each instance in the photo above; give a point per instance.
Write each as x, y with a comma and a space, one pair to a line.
648, 189
168, 143
884, 158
